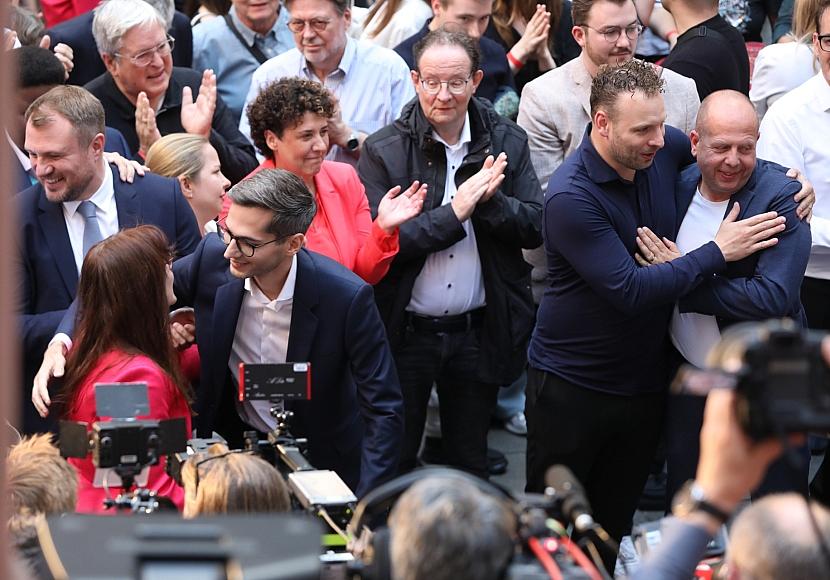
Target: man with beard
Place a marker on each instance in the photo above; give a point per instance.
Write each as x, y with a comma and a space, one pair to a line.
598, 357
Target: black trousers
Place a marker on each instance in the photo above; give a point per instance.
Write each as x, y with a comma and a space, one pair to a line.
450, 361
608, 441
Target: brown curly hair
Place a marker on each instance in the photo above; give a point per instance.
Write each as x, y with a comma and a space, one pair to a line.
631, 77
282, 104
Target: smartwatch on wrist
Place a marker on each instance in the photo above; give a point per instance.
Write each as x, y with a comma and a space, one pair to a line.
353, 143
691, 498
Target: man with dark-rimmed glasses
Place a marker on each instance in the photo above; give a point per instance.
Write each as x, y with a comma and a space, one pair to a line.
794, 133
371, 83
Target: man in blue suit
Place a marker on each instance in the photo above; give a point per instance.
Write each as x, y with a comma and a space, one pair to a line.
259, 297
65, 141
726, 178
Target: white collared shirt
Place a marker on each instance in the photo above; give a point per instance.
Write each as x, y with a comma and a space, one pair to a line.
451, 281
372, 84
794, 134
262, 338
104, 201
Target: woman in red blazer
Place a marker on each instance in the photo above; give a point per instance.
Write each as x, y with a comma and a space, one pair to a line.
124, 293
289, 125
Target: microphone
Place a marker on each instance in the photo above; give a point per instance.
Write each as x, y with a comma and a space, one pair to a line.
562, 485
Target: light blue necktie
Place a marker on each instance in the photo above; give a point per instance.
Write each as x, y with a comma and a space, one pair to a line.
92, 230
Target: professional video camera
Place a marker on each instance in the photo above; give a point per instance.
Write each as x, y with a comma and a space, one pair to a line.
544, 548
778, 372
124, 448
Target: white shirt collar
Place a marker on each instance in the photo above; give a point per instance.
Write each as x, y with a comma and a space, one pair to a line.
465, 138
822, 91
285, 295
102, 196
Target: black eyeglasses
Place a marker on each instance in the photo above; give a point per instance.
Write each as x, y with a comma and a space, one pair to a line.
824, 42
213, 458
612, 34
246, 246
145, 57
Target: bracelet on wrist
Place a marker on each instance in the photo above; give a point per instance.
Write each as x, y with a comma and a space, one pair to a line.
517, 64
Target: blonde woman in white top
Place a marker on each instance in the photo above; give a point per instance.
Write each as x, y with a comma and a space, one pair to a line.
390, 22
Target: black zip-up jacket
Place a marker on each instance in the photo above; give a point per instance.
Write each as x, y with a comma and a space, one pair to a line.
511, 220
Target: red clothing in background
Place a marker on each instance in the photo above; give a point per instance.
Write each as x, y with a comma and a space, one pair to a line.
166, 402
56, 11
343, 229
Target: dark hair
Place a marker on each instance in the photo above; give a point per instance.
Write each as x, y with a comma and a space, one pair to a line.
443, 37
37, 67
340, 5
581, 8
631, 77
281, 192
77, 105
823, 5
282, 104
503, 13
122, 303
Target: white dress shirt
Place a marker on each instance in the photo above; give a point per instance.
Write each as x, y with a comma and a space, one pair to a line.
262, 338
695, 334
451, 281
778, 69
104, 201
372, 84
794, 133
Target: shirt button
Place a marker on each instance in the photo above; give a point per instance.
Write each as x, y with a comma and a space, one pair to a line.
446, 311
449, 285
452, 256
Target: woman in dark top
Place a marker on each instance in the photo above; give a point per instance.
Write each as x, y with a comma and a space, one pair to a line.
537, 36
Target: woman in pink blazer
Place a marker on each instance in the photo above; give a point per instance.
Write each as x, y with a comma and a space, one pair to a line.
124, 293
290, 126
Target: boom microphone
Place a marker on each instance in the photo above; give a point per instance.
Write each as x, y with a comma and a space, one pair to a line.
563, 485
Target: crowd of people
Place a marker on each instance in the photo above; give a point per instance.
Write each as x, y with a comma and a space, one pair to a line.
453, 210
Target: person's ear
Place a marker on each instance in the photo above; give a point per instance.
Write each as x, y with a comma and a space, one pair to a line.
579, 35
601, 122
109, 62
347, 16
477, 76
272, 140
694, 137
416, 79
295, 244
187, 186
97, 144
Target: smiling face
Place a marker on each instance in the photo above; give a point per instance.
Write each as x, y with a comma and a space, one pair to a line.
724, 145
445, 111
65, 167
251, 224
323, 49
301, 149
258, 15
604, 16
209, 185
132, 79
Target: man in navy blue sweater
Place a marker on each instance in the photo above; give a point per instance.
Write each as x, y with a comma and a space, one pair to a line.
599, 356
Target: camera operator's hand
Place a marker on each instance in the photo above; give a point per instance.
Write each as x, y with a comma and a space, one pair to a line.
731, 463
54, 361
739, 239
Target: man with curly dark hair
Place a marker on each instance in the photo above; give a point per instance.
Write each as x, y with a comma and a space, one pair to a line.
599, 358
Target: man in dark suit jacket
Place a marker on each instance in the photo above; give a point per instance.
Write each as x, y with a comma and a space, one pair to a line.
77, 33
260, 298
66, 151
727, 178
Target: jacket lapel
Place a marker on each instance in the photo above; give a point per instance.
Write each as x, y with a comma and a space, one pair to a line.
53, 226
126, 200
226, 307
303, 320
582, 80
685, 192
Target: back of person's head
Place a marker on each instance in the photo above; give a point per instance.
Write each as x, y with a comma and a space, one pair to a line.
75, 104
37, 67
123, 302
220, 481
39, 480
283, 193
774, 538
282, 104
114, 18
625, 79
28, 26
444, 528
177, 155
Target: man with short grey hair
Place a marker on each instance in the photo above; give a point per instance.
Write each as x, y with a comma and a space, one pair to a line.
445, 527
145, 97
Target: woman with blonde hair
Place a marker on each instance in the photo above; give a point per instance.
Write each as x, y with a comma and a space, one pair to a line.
779, 68
220, 481
194, 162
390, 22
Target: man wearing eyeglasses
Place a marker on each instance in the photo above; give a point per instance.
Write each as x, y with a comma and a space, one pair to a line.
370, 82
145, 97
709, 50
456, 301
794, 133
